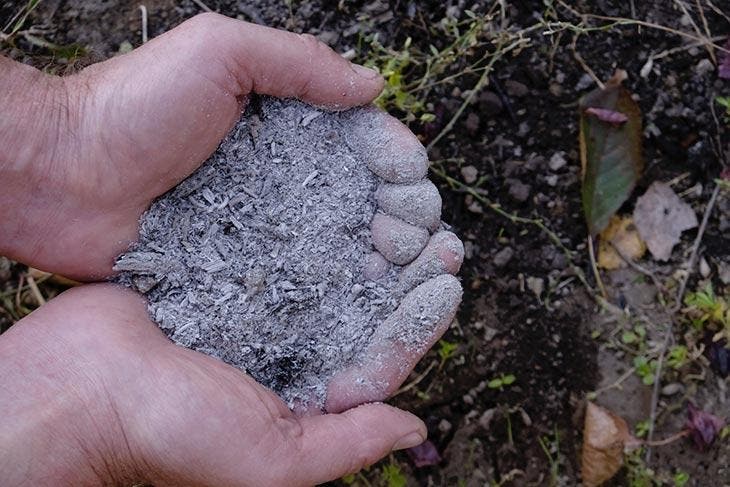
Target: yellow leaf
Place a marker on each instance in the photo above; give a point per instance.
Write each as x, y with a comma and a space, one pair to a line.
620, 234
604, 437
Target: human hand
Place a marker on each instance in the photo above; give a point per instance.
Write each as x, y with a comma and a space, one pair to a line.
93, 393
107, 141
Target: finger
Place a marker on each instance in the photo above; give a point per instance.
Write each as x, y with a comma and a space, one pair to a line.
397, 345
443, 254
246, 58
389, 147
334, 445
418, 204
376, 266
398, 241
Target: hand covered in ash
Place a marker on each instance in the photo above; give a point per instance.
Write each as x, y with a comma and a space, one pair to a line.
90, 384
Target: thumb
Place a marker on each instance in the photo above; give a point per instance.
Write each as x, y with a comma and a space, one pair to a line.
334, 445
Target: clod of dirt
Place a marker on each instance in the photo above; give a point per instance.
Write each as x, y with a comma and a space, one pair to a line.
661, 217
258, 257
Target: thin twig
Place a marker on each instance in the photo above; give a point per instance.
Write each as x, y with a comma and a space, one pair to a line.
594, 266
708, 33
616, 384
203, 6
630, 262
579, 59
655, 391
415, 381
668, 440
696, 248
143, 10
483, 80
684, 10
36, 292
458, 185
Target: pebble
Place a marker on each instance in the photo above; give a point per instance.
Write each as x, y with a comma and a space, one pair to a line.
584, 82
672, 389
489, 103
536, 285
444, 426
518, 190
704, 267
515, 88
552, 180
472, 123
486, 418
503, 257
557, 161
704, 67
470, 174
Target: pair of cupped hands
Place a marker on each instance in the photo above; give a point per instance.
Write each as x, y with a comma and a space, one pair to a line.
91, 391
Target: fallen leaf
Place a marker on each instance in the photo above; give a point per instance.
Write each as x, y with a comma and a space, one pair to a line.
609, 116
723, 70
605, 435
703, 426
661, 217
424, 454
620, 234
718, 353
611, 157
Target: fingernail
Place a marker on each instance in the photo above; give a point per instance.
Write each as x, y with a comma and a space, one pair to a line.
364, 72
409, 441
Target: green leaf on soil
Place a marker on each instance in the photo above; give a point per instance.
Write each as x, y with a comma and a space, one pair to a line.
611, 156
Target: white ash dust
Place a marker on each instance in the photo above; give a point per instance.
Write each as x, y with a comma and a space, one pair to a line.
257, 258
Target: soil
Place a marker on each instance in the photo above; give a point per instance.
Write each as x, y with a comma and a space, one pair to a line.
525, 312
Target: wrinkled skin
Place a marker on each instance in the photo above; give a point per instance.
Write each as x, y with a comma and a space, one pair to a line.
91, 391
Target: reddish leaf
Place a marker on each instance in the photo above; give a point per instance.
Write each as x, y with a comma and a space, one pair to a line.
608, 116
424, 454
723, 70
718, 353
703, 426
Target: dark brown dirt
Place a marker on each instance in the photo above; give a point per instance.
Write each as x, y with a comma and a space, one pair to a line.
526, 116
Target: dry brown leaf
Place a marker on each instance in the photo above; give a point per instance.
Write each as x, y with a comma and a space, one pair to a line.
620, 234
604, 437
661, 217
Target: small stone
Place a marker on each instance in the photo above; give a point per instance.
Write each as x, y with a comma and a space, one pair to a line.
584, 82
468, 400
672, 389
503, 257
486, 418
470, 174
704, 67
724, 272
557, 161
472, 123
444, 426
515, 88
552, 180
536, 285
489, 103
704, 267
518, 190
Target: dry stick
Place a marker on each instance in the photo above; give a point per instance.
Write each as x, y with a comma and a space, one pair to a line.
583, 64
483, 79
594, 266
651, 25
518, 219
616, 384
696, 248
21, 279
34, 289
203, 6
143, 10
630, 262
655, 392
717, 10
415, 381
683, 8
701, 13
